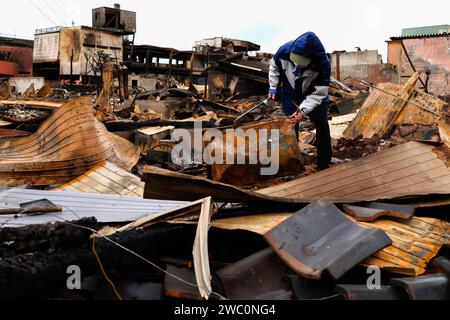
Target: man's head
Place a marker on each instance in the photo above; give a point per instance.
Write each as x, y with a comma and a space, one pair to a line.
299, 60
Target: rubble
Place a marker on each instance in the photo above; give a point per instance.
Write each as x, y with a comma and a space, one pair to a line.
90, 176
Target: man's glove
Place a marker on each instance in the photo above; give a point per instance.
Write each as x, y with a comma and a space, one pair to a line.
272, 94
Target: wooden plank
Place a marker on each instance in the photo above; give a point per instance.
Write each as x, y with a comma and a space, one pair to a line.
381, 109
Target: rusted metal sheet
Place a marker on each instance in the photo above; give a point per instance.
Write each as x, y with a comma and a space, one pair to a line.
177, 289
380, 110
320, 237
12, 133
257, 275
373, 210
289, 160
429, 287
65, 146
106, 178
415, 243
169, 185
362, 292
409, 169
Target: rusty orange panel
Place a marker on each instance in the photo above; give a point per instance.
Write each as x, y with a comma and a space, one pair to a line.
290, 161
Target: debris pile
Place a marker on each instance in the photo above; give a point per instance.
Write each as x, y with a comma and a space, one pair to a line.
97, 182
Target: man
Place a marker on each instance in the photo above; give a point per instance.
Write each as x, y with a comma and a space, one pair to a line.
300, 73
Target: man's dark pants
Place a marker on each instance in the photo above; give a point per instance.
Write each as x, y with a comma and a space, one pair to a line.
319, 117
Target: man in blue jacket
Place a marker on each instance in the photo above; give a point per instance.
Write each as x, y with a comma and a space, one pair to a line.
300, 73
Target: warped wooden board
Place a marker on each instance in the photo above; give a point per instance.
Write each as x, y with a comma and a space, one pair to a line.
106, 178
415, 242
67, 144
410, 169
413, 114
381, 109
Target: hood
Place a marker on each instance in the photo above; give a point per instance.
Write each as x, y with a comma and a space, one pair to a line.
309, 45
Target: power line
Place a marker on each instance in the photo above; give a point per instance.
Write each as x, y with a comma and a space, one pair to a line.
56, 13
62, 11
40, 10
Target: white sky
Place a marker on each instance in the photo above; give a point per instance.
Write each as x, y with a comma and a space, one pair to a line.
341, 24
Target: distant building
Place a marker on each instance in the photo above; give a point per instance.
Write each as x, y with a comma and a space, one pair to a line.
152, 60
226, 44
428, 50
114, 18
16, 57
60, 53
367, 65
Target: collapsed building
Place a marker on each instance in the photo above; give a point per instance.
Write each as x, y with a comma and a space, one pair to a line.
423, 48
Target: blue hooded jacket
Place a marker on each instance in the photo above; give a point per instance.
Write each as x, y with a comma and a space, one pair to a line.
307, 87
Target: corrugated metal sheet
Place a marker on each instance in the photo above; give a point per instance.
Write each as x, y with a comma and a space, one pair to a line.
409, 169
66, 145
106, 178
77, 205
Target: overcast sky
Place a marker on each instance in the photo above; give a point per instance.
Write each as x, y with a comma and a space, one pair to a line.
341, 24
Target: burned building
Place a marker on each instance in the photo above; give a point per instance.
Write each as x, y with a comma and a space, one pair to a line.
426, 49
362, 65
64, 53
114, 18
236, 68
16, 57
147, 60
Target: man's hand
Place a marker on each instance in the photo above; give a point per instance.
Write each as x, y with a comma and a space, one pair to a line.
297, 117
272, 96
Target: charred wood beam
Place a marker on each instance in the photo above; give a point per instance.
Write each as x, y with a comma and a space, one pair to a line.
42, 238
33, 275
128, 126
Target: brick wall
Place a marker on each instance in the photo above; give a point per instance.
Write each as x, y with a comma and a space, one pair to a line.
427, 54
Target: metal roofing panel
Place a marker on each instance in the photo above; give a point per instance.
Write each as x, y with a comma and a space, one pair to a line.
106, 178
409, 169
67, 144
320, 237
76, 205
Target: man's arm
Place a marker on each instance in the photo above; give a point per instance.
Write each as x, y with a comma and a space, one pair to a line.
274, 78
321, 87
